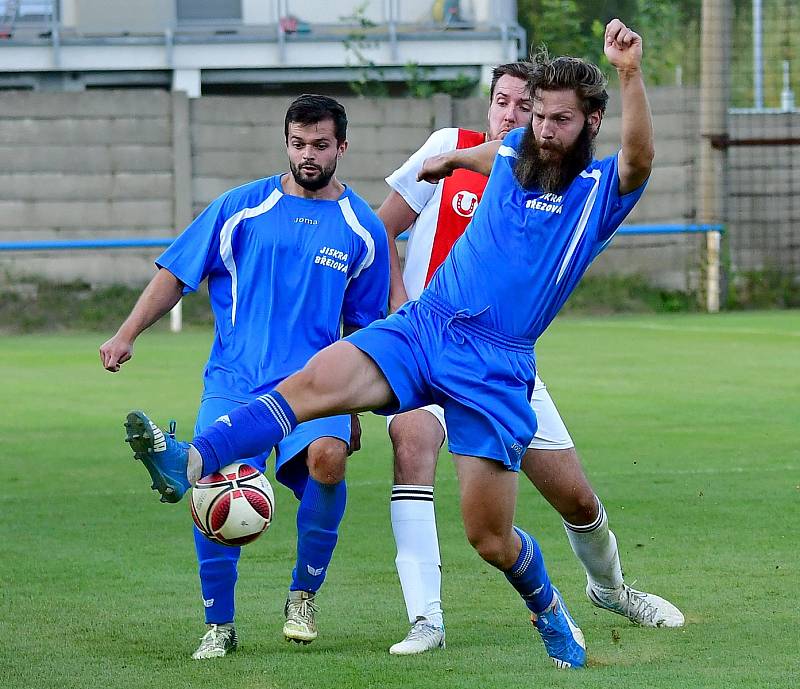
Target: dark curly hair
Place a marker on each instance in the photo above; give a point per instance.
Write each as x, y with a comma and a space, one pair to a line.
556, 73
312, 108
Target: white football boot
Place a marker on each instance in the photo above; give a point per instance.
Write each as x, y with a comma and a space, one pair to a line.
645, 609
218, 641
422, 637
301, 622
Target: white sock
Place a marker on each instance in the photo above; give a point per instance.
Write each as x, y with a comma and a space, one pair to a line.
418, 562
194, 468
596, 547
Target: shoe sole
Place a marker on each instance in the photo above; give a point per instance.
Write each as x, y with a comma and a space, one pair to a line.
139, 436
299, 637
216, 655
441, 646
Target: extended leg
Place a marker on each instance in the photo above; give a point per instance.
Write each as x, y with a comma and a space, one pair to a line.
339, 379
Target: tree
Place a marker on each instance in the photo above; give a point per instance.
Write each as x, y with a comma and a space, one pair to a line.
670, 29
562, 25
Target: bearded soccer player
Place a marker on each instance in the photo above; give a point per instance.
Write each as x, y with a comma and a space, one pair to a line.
467, 342
436, 216
287, 259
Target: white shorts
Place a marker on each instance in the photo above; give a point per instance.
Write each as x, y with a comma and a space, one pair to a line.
551, 433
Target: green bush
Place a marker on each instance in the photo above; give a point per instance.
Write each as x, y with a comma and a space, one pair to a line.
763, 289
627, 294
39, 305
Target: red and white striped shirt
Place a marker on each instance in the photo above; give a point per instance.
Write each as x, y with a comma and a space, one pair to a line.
443, 210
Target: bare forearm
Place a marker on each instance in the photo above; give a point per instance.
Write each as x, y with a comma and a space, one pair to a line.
638, 149
160, 295
163, 292
624, 48
397, 289
477, 159
397, 216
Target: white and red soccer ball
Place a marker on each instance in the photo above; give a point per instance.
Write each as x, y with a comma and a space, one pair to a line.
233, 506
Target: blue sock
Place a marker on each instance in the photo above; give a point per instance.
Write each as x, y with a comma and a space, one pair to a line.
529, 575
247, 431
217, 578
318, 517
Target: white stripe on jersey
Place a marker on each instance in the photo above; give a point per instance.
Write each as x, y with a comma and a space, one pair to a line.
507, 152
358, 228
226, 238
600, 249
584, 219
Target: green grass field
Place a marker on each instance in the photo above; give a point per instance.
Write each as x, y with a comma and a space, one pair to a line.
688, 426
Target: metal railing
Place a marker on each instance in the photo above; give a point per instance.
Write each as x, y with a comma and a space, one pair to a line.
155, 242
713, 232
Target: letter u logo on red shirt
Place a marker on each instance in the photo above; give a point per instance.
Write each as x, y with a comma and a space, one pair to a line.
464, 203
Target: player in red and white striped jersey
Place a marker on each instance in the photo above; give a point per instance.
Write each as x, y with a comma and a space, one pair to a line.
436, 216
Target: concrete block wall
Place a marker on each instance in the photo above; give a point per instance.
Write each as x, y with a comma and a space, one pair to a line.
670, 261
237, 140
78, 166
143, 163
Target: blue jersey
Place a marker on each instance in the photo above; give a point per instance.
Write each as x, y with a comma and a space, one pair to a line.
525, 250
283, 273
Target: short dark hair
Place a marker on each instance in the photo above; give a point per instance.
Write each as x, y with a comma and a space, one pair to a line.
312, 108
569, 73
519, 70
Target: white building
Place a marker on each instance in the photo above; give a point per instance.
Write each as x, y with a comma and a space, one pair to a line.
224, 45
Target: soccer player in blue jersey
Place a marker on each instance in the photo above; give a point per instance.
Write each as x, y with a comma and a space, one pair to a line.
436, 219
287, 259
467, 343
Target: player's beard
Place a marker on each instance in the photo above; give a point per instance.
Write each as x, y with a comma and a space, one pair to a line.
551, 169
324, 175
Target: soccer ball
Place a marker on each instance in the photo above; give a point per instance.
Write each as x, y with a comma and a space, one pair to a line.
233, 506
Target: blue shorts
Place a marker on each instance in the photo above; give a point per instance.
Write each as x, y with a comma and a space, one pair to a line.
290, 458
431, 354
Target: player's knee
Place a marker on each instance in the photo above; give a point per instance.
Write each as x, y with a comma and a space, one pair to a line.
492, 547
582, 507
414, 461
327, 460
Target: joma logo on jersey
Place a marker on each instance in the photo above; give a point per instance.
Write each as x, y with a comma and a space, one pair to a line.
332, 258
306, 221
464, 203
